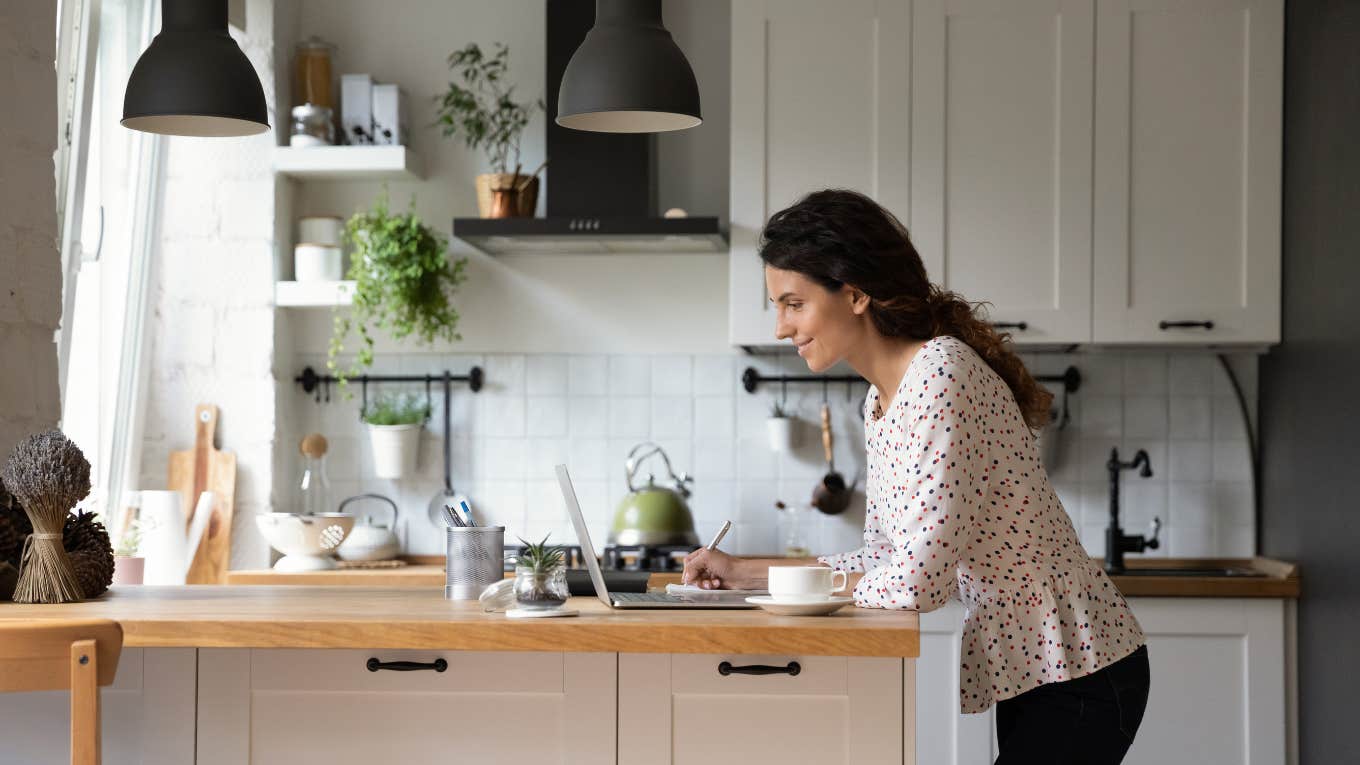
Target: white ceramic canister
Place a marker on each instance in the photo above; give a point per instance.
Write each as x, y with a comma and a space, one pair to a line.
321, 229
316, 263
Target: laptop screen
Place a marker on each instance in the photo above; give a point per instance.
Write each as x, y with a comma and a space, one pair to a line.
582, 534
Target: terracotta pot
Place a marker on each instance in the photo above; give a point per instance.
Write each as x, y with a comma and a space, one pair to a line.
515, 202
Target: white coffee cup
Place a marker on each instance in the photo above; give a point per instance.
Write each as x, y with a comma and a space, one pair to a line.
804, 583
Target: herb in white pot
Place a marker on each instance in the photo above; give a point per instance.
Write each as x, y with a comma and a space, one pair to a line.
394, 423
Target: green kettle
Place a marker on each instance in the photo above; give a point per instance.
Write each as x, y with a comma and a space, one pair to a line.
652, 514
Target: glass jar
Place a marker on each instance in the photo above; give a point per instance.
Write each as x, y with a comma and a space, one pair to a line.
312, 84
540, 590
312, 126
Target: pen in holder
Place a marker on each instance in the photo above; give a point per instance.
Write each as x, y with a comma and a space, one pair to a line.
473, 560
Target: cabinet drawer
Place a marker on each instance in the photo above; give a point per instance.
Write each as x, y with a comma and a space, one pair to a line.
834, 709
344, 671
304, 705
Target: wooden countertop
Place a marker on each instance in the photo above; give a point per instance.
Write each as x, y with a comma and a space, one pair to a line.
1281, 580
274, 616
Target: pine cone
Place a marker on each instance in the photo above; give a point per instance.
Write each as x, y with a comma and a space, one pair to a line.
14, 526
91, 553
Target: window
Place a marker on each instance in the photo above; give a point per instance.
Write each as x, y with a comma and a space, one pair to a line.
111, 179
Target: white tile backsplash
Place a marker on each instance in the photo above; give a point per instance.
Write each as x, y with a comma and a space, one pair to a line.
547, 375
630, 376
672, 376
589, 410
1191, 417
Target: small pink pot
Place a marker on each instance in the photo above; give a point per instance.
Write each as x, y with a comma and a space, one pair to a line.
128, 570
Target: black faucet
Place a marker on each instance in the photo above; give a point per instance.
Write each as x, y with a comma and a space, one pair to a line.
1116, 541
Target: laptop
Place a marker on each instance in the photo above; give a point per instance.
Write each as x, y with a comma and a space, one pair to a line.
706, 599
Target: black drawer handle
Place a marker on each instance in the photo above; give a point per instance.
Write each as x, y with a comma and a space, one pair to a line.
792, 670
438, 665
1020, 325
1165, 325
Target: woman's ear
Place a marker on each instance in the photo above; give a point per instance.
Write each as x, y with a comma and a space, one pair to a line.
859, 301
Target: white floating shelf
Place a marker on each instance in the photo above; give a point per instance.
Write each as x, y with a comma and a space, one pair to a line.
339, 163
313, 294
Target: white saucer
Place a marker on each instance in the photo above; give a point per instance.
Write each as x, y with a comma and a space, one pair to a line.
800, 607
540, 613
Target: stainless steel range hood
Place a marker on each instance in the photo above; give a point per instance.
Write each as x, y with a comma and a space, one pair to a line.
601, 187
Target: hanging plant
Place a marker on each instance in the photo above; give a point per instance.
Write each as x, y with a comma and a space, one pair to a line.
404, 284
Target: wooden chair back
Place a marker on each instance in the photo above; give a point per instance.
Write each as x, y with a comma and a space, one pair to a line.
64, 654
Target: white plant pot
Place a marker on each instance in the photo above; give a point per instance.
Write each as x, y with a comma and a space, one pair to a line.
781, 432
395, 449
128, 569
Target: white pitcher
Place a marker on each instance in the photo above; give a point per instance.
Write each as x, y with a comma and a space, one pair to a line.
168, 548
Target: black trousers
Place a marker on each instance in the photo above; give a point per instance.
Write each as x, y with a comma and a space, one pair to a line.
1088, 721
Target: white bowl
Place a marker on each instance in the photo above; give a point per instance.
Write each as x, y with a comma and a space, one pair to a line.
306, 541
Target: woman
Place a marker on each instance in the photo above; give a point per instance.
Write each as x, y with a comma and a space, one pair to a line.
958, 501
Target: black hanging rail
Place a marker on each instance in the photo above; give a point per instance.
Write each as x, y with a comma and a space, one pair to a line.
752, 379
314, 383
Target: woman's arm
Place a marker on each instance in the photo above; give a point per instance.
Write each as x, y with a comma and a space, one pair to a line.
932, 495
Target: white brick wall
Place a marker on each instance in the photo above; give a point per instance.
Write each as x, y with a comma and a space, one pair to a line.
213, 318
30, 270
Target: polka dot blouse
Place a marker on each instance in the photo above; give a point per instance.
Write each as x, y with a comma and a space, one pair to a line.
959, 504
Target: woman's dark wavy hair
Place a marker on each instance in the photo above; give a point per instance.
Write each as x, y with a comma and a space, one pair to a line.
838, 237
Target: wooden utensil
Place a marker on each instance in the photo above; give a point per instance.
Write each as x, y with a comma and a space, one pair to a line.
832, 495
205, 468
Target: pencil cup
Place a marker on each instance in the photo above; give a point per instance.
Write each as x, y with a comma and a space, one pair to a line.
473, 560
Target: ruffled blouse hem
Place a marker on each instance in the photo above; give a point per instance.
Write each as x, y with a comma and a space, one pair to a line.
1066, 627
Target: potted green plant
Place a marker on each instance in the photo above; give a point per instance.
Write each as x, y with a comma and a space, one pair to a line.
780, 428
541, 576
394, 422
404, 284
128, 565
479, 106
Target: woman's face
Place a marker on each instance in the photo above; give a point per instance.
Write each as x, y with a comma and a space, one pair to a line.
822, 324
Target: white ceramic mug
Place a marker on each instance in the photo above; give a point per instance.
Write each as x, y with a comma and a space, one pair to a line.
803, 583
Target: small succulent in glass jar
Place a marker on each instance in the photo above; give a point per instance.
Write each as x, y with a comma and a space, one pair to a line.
541, 576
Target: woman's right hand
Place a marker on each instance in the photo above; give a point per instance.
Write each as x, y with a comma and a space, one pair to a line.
710, 569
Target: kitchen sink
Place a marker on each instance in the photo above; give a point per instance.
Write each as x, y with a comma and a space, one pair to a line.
1232, 571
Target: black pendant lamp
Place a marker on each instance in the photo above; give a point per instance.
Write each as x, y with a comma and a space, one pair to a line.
628, 76
193, 79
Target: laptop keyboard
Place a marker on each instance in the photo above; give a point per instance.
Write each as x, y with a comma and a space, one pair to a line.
643, 597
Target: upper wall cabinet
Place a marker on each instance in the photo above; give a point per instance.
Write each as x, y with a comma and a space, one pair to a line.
820, 98
1187, 171
1001, 125
1098, 172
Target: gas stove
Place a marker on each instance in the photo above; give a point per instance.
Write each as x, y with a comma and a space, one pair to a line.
654, 558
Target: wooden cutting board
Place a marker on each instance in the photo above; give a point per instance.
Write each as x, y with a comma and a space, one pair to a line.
205, 468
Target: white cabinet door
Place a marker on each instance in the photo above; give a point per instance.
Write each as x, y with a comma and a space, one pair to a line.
146, 715
1001, 158
1187, 172
295, 706
679, 709
949, 738
1218, 681
820, 98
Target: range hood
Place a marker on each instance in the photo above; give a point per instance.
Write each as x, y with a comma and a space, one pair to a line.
600, 194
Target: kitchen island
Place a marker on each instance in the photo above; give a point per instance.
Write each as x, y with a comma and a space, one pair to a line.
266, 674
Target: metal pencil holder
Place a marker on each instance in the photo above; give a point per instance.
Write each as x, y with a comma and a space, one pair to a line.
473, 560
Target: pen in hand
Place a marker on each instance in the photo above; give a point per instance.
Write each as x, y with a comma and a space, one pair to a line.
711, 545
722, 532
